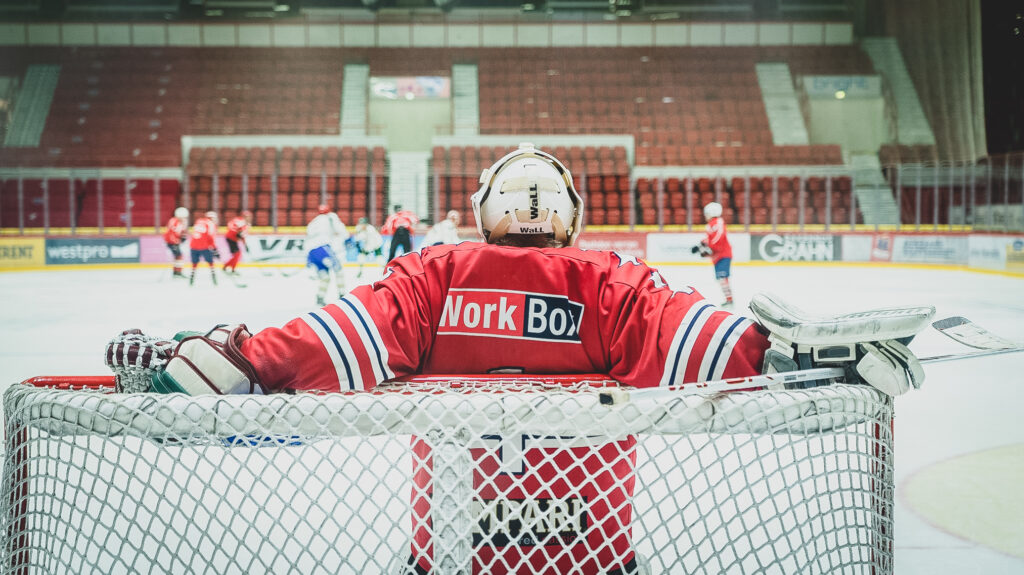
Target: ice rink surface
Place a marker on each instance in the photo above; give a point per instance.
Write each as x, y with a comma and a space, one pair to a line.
959, 440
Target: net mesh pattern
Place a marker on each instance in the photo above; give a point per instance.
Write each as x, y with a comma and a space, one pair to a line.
438, 476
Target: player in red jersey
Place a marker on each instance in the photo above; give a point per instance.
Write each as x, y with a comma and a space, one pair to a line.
201, 243
399, 226
716, 246
174, 236
238, 228
524, 301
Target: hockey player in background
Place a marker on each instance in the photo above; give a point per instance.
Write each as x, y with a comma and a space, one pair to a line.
716, 246
399, 226
445, 231
369, 243
238, 228
202, 244
174, 236
526, 301
325, 241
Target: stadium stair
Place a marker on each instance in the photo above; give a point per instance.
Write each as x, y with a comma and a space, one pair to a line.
912, 124
781, 104
874, 197
465, 99
353, 99
33, 106
408, 172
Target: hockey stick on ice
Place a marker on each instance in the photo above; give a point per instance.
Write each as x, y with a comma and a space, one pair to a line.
958, 328
970, 334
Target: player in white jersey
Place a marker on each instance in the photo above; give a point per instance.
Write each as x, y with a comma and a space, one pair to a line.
369, 243
325, 240
445, 231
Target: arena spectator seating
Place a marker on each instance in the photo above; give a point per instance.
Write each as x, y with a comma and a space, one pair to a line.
682, 199
685, 106
229, 180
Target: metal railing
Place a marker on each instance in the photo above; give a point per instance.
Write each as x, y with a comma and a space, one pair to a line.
986, 195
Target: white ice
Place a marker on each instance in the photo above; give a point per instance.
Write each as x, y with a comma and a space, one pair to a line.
57, 323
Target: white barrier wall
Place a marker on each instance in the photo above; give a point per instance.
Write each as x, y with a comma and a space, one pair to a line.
997, 252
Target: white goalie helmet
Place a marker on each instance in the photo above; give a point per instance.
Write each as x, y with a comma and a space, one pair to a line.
181, 213
712, 210
528, 192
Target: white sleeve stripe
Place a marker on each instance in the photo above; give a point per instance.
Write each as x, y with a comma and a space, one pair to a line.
349, 356
333, 349
719, 343
675, 359
724, 352
370, 336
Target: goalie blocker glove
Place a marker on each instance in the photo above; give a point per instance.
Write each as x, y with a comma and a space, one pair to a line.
209, 364
871, 346
193, 363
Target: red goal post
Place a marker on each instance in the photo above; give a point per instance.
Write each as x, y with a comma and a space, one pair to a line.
458, 473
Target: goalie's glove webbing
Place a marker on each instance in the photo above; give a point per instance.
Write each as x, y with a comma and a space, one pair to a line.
135, 358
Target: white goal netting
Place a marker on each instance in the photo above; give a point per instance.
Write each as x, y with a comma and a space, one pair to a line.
449, 476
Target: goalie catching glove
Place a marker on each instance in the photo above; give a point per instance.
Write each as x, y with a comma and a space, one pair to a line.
134, 358
194, 363
871, 346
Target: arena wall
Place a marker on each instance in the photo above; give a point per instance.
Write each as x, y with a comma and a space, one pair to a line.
974, 251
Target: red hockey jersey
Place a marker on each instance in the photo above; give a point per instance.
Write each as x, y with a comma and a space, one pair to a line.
477, 308
237, 228
203, 233
718, 240
175, 231
402, 219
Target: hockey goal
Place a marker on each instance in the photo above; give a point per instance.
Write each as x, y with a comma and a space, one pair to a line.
447, 475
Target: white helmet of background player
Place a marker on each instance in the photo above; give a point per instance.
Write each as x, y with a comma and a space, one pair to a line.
528, 192
181, 213
712, 210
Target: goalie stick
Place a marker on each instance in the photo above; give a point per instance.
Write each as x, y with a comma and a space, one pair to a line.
958, 328
970, 334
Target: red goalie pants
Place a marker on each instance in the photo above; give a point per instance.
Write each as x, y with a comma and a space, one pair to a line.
537, 502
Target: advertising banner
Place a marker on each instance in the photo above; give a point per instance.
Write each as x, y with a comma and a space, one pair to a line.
993, 252
276, 249
862, 247
950, 250
154, 249
662, 248
795, 248
21, 252
633, 244
849, 86
67, 251
1015, 255
881, 248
